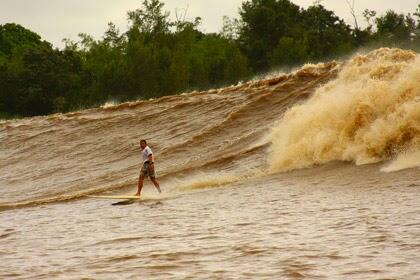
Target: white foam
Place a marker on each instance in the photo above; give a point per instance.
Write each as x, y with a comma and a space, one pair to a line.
370, 113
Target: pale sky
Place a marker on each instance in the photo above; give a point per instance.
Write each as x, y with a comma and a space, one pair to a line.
54, 20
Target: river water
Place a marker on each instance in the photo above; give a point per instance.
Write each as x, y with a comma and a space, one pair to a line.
265, 180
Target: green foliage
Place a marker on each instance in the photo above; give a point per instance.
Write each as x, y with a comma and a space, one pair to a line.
15, 40
368, 15
289, 51
151, 19
277, 32
231, 28
264, 22
158, 57
49, 76
326, 33
417, 14
395, 27
32, 74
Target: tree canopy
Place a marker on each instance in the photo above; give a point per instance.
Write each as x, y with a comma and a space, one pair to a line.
157, 56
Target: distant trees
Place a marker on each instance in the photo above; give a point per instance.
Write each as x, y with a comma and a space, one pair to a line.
264, 23
326, 34
153, 58
34, 78
395, 27
49, 76
157, 56
276, 32
417, 14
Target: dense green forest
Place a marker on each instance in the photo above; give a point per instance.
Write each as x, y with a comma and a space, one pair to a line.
157, 56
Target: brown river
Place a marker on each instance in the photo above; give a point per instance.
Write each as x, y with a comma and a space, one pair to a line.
312, 174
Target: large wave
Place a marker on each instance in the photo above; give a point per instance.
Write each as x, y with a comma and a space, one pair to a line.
365, 110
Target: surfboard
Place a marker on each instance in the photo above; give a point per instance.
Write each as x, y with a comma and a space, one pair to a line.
131, 197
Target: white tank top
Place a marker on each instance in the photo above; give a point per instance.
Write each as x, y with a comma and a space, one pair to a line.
146, 153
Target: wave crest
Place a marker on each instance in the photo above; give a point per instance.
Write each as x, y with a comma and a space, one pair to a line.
370, 113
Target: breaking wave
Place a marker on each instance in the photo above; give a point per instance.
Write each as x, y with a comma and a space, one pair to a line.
369, 113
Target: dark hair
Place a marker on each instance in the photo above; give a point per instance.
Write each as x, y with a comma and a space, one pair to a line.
142, 140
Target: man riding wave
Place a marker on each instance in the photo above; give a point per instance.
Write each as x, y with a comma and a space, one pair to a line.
148, 168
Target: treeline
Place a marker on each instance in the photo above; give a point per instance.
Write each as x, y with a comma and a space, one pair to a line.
157, 56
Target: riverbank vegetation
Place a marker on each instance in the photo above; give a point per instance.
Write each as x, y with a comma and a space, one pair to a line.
157, 56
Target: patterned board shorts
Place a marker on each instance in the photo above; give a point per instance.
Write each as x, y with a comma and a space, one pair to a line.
146, 172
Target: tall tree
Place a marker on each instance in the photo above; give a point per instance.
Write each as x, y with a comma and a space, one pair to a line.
151, 19
417, 14
264, 22
325, 33
394, 27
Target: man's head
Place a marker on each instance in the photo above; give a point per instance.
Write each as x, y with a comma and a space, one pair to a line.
143, 143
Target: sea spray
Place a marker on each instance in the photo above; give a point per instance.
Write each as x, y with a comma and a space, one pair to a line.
408, 159
370, 113
214, 180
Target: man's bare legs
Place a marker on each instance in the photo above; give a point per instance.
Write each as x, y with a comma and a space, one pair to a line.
153, 179
140, 183
156, 183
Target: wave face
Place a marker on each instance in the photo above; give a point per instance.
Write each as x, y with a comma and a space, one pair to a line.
364, 110
369, 113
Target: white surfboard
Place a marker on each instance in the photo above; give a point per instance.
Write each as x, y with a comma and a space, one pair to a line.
132, 197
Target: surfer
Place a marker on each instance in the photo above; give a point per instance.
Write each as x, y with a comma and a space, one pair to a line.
148, 168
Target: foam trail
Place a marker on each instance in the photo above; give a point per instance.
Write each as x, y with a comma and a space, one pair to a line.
403, 161
213, 180
370, 113
205, 181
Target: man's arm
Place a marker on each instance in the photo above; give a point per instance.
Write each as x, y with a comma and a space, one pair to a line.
150, 159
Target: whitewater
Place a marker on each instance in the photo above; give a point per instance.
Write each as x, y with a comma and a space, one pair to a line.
312, 174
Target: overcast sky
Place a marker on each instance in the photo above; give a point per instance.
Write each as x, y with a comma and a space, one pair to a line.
58, 19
